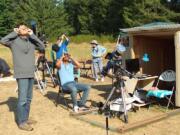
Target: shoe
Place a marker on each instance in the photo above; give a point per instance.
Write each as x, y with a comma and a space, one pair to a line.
97, 80
25, 126
102, 79
76, 109
31, 122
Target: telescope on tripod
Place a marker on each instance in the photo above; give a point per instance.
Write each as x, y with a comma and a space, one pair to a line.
43, 65
118, 86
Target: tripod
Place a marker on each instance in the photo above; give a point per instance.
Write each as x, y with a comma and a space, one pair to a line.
40, 83
45, 66
119, 85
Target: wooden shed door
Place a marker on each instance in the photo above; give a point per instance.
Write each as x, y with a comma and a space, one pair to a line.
161, 51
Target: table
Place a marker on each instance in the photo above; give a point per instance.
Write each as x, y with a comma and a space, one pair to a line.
86, 67
145, 83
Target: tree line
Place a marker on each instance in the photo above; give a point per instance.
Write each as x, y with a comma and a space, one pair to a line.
53, 17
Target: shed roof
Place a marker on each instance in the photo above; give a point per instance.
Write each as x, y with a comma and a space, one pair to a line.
155, 26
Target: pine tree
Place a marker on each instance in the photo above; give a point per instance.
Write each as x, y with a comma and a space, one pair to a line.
145, 11
48, 14
7, 16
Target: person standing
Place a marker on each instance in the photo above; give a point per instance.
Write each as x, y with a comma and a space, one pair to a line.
22, 43
62, 43
97, 52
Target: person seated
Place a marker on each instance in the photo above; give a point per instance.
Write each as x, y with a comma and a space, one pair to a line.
65, 67
114, 59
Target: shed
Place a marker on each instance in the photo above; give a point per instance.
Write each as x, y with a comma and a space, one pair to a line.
161, 41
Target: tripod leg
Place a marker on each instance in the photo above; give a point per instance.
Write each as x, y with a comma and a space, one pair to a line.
124, 104
39, 81
109, 97
52, 79
107, 125
39, 85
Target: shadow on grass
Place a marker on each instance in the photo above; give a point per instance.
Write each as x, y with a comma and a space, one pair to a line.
12, 104
59, 101
87, 77
107, 88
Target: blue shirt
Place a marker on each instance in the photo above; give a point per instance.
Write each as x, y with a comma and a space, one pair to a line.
98, 51
62, 49
66, 73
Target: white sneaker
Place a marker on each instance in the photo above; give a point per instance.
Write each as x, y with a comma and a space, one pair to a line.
102, 79
97, 80
76, 109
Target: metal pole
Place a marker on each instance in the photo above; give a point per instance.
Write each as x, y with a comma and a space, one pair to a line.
107, 125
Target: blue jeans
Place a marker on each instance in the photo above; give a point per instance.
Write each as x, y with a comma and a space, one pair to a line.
74, 88
25, 86
97, 66
106, 69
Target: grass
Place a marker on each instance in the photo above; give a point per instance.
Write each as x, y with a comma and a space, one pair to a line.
80, 51
87, 38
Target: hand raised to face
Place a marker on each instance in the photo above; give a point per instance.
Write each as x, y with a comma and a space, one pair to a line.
23, 30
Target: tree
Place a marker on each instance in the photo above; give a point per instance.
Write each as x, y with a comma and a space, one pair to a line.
98, 10
87, 16
77, 15
173, 5
48, 14
54, 17
7, 16
145, 11
115, 15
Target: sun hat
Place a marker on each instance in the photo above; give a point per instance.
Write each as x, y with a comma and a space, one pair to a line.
94, 42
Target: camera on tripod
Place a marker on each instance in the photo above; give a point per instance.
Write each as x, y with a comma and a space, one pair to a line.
41, 57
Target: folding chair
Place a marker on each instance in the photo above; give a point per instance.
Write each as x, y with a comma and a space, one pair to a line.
62, 92
168, 76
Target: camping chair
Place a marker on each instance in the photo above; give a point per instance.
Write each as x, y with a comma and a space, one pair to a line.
62, 92
168, 76
86, 67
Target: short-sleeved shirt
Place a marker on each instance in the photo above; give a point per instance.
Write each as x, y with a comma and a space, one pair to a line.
66, 73
62, 49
